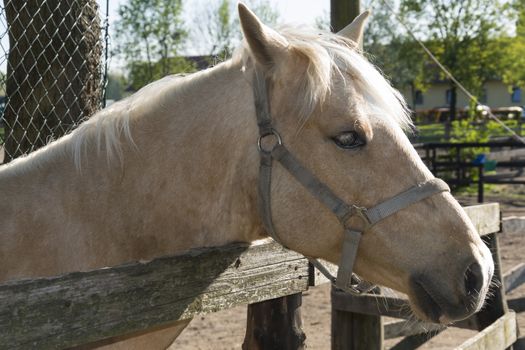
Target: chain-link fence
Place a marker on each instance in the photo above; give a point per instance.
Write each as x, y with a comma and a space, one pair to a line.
52, 69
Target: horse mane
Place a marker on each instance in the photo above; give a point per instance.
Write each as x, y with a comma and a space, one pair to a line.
327, 53
108, 128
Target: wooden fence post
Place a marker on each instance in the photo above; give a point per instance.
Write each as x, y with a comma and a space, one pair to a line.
275, 324
496, 306
354, 331
481, 180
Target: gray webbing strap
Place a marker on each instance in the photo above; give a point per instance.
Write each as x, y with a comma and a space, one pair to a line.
325, 195
262, 104
318, 189
347, 260
264, 197
404, 199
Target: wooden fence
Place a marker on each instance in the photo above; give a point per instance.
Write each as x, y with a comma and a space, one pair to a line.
361, 315
447, 160
84, 307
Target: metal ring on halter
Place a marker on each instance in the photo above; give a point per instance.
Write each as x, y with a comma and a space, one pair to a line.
356, 211
274, 133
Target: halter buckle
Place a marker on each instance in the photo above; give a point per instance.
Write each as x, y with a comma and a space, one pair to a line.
278, 141
360, 212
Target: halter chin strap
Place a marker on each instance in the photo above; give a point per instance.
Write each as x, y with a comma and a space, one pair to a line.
325, 195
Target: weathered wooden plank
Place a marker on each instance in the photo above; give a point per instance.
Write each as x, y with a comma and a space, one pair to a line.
414, 341
485, 217
356, 331
499, 335
317, 278
371, 304
275, 324
496, 304
514, 278
405, 328
82, 307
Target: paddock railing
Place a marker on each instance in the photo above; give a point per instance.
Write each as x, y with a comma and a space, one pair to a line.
85, 307
448, 160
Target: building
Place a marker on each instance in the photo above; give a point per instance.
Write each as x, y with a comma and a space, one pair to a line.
496, 95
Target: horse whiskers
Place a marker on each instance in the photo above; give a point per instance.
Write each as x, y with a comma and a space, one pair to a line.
495, 283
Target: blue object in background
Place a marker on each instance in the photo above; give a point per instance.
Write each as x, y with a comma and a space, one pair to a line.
480, 159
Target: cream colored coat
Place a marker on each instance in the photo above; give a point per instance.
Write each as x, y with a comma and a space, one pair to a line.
175, 167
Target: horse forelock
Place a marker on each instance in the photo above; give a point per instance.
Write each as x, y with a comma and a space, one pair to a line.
328, 53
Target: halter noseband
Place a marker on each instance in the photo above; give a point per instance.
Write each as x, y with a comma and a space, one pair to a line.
325, 195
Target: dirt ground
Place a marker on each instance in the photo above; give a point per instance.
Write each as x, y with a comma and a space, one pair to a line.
224, 330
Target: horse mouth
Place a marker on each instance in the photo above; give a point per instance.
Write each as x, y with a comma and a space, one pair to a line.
425, 304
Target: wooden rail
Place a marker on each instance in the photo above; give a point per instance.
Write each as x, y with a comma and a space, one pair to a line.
458, 165
499, 335
83, 307
359, 314
79, 308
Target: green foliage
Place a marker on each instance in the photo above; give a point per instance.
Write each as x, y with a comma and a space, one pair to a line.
394, 52
461, 34
472, 130
221, 32
149, 34
141, 73
513, 59
115, 87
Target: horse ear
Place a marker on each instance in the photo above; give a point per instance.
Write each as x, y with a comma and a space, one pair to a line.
265, 43
354, 31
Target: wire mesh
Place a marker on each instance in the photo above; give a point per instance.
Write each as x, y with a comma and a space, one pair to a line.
52, 70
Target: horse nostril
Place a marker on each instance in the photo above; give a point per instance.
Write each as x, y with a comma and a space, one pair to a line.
473, 280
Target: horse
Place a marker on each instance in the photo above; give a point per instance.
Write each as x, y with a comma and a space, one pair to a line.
177, 166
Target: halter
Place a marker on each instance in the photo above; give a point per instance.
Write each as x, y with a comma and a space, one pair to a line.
346, 279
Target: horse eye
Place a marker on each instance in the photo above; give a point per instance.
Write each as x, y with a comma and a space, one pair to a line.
348, 140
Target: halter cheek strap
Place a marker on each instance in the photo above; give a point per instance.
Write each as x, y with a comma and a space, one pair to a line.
325, 195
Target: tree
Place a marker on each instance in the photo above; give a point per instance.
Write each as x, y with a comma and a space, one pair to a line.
218, 31
115, 87
392, 51
149, 35
461, 34
514, 49
397, 55
53, 70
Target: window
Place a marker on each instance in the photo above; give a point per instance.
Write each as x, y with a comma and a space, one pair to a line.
484, 96
418, 98
449, 96
515, 97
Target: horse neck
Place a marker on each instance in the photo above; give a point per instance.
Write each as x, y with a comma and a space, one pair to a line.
210, 151
189, 180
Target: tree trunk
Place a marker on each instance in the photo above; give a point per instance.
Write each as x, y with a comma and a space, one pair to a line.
413, 95
342, 12
53, 70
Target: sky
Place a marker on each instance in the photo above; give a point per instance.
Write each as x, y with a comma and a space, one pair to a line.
290, 12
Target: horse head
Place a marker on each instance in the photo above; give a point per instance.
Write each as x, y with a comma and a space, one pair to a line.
343, 122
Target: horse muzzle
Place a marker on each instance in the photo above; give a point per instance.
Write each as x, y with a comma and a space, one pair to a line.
437, 300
